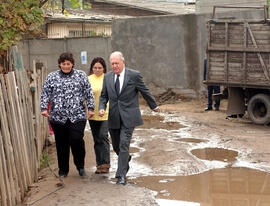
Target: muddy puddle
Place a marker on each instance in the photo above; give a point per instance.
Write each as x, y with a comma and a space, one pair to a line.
218, 187
221, 185
218, 154
157, 122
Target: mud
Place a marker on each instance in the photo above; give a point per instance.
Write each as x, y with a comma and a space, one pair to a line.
219, 187
219, 154
181, 156
191, 140
158, 122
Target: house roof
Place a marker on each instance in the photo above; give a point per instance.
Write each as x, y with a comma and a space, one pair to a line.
90, 15
77, 15
166, 7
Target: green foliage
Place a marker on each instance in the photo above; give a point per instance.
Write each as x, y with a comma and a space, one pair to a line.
18, 18
44, 160
75, 3
78, 4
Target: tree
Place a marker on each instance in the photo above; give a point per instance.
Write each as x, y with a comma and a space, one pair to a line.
18, 18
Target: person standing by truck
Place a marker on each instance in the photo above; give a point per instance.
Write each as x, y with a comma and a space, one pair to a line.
211, 90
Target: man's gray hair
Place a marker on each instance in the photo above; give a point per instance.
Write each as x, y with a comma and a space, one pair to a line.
118, 53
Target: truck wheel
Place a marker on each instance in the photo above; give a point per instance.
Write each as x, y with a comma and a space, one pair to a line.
259, 109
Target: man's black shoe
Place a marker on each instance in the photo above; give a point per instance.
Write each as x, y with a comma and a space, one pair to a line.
82, 172
217, 109
121, 180
207, 109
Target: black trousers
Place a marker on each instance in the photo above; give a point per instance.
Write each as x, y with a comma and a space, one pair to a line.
69, 135
101, 141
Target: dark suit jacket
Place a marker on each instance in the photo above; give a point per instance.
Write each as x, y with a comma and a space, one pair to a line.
126, 104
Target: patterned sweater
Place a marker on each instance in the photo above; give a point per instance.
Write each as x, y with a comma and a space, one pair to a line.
68, 94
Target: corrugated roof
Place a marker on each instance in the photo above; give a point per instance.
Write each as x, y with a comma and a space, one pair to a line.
164, 7
81, 15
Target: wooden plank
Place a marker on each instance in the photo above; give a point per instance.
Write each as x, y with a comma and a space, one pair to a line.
245, 54
22, 138
216, 68
217, 64
19, 161
23, 124
260, 27
260, 36
12, 176
237, 49
28, 94
37, 110
4, 171
3, 186
208, 37
18, 182
3, 191
45, 120
237, 21
237, 66
266, 73
216, 59
23, 85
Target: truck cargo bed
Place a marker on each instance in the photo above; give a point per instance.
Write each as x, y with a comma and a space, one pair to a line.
238, 53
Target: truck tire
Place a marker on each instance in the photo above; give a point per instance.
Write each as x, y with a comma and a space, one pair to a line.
259, 109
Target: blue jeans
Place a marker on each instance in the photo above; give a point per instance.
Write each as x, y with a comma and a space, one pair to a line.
213, 90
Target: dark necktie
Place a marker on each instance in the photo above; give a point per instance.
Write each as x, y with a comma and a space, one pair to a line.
117, 85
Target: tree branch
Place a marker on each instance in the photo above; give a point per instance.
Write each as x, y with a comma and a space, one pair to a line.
42, 2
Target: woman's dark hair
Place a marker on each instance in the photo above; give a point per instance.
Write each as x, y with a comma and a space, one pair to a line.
66, 56
99, 60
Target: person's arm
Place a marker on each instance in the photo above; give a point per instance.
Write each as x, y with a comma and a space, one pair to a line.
89, 96
140, 85
103, 99
46, 95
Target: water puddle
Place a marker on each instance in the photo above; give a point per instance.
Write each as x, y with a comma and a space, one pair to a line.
191, 140
219, 154
158, 122
218, 187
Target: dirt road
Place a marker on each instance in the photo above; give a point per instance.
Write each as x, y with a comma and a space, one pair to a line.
181, 156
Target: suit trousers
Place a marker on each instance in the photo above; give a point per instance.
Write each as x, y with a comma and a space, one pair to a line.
121, 141
101, 141
69, 135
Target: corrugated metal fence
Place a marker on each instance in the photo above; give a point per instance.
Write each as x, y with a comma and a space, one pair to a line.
22, 130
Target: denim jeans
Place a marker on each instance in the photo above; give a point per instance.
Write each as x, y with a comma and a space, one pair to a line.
213, 90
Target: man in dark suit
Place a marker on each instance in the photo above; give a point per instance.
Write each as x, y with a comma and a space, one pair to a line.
121, 87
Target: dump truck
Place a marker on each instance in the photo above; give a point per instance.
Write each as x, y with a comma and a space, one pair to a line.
238, 58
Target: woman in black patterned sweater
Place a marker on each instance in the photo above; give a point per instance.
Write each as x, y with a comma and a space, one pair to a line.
68, 89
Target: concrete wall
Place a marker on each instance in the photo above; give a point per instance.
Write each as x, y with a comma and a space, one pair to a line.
168, 50
48, 50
